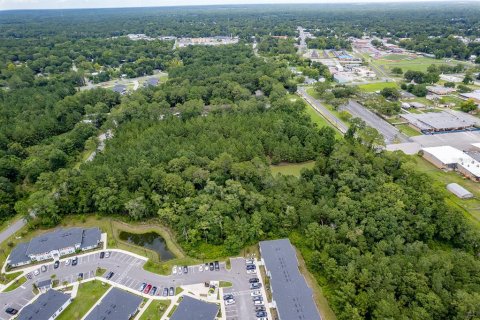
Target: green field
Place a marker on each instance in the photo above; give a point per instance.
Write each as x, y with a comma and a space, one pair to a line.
88, 294
372, 87
409, 131
291, 169
415, 64
155, 310
16, 284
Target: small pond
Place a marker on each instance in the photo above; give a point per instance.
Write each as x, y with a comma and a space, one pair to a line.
149, 240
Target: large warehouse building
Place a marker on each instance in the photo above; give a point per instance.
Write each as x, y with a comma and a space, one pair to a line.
435, 122
447, 157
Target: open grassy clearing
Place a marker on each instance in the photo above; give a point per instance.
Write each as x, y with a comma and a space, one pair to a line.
470, 207
155, 310
16, 284
291, 169
414, 64
372, 87
409, 131
88, 294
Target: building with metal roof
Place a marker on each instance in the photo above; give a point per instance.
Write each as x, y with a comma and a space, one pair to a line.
195, 309
120, 88
47, 306
433, 122
291, 295
54, 244
116, 305
447, 157
459, 191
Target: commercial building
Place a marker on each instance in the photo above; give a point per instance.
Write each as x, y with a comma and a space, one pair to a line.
459, 191
434, 122
47, 306
447, 157
195, 309
440, 90
116, 305
474, 95
53, 245
291, 295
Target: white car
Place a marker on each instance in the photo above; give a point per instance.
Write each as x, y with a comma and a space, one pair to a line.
250, 261
200, 268
174, 270
229, 302
256, 293
107, 254
36, 272
253, 271
258, 303
180, 270
67, 262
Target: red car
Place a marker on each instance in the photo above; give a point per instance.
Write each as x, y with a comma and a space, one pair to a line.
147, 289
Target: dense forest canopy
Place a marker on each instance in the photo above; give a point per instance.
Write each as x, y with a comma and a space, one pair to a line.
194, 151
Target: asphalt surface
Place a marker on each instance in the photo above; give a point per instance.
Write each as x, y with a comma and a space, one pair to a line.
10, 230
128, 271
320, 108
389, 132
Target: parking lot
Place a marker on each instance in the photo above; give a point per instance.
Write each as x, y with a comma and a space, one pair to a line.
129, 273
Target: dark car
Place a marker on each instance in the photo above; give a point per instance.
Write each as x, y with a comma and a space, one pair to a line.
109, 275
171, 291
185, 269
154, 290
251, 267
253, 280
56, 264
80, 275
11, 311
211, 266
75, 261
102, 255
256, 285
259, 298
227, 296
261, 314
260, 308
217, 266
165, 292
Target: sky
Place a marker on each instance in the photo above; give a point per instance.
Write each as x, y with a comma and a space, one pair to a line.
65, 4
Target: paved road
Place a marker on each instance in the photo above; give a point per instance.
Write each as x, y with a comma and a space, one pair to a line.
128, 271
14, 227
389, 132
320, 108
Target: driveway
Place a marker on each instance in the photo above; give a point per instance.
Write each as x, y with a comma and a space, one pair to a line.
129, 273
11, 229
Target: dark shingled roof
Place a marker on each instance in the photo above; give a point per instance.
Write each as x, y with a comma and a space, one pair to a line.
44, 283
116, 305
18, 254
293, 297
45, 306
194, 309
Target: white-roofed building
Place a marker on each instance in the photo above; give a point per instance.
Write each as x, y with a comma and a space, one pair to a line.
447, 157
459, 191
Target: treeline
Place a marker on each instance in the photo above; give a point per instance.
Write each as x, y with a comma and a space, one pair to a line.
276, 46
442, 47
329, 43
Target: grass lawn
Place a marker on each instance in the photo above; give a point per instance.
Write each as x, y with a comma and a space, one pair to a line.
291, 169
155, 310
409, 131
16, 284
88, 294
415, 64
470, 207
372, 87
6, 278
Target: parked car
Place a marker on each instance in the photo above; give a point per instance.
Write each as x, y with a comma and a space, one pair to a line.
36, 272
67, 262
11, 311
56, 264
211, 266
227, 296
109, 275
107, 254
29, 275
80, 275
253, 280
261, 314
252, 271
147, 289
260, 308
258, 303
262, 318
258, 298
171, 291
206, 266
142, 286
229, 302
102, 255
165, 292
249, 261
256, 285
256, 293
44, 268
179, 270
200, 268
251, 267
185, 269
217, 265
74, 261
174, 270
154, 290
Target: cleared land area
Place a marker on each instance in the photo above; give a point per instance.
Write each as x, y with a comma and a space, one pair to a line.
408, 63
88, 294
372, 87
291, 169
